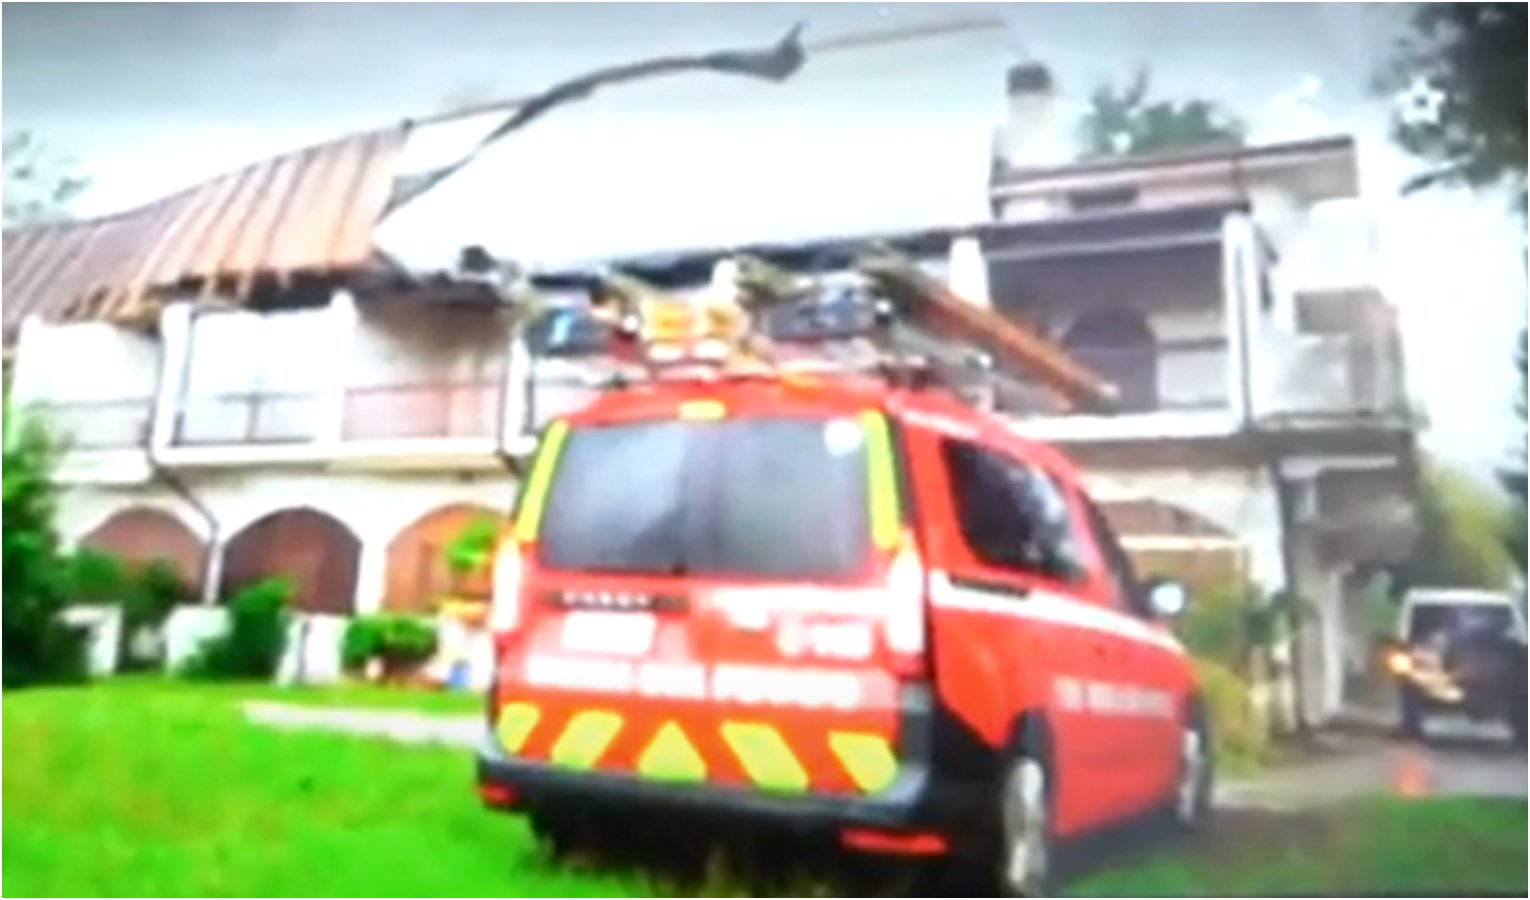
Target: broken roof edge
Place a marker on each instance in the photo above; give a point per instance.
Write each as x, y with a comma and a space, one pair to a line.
1008, 179
310, 211
148, 206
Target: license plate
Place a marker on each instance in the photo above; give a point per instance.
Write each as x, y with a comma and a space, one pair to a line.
623, 633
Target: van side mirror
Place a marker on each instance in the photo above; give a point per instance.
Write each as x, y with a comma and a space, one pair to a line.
1167, 599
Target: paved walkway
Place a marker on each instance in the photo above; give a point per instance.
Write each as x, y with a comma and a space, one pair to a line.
1462, 761
402, 726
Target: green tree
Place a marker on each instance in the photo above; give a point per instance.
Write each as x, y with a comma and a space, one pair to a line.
1513, 476
1459, 79
39, 183
38, 646
1461, 542
1123, 121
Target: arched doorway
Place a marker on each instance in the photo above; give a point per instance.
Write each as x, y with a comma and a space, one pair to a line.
316, 550
418, 573
1119, 345
141, 534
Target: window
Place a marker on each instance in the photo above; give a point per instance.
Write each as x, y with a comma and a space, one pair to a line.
760, 497
1012, 515
1118, 564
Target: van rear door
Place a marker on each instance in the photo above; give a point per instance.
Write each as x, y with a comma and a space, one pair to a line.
706, 600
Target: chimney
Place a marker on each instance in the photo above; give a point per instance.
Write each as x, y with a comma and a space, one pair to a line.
1031, 137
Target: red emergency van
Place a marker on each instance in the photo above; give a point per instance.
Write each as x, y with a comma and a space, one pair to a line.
843, 603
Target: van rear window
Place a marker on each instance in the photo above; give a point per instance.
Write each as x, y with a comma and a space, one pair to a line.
768, 497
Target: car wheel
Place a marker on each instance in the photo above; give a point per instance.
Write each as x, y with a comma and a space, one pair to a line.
1025, 851
1412, 715
1193, 790
1516, 720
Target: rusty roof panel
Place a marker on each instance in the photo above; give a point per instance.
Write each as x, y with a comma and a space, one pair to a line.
312, 210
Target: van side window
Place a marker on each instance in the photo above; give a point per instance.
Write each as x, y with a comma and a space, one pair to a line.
1012, 515
1118, 563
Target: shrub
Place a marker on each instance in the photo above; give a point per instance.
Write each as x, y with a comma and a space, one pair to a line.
471, 550
1215, 623
398, 642
153, 592
1238, 737
38, 646
252, 645
1231, 624
94, 576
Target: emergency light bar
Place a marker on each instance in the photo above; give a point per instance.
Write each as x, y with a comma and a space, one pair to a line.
887, 318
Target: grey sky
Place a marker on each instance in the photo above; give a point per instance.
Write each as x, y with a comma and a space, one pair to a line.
152, 97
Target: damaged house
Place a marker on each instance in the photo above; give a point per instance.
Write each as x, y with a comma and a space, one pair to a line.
253, 387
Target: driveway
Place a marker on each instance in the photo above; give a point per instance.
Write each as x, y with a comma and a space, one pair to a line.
1457, 760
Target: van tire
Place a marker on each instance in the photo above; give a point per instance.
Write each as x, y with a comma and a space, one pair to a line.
1023, 855
1191, 804
571, 834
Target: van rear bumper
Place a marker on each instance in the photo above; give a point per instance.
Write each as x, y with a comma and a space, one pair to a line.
911, 802
921, 797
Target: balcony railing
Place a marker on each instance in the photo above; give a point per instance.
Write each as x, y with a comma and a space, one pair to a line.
93, 425
1332, 375
432, 409
261, 417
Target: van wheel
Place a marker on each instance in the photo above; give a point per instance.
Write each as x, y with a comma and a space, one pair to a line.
1025, 852
1193, 790
575, 834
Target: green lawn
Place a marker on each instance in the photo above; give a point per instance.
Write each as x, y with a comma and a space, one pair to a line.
1384, 846
144, 790
149, 788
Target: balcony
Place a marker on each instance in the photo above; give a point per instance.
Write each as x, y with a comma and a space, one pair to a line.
1330, 377
402, 386
255, 417
99, 426
424, 410
1175, 388
1332, 250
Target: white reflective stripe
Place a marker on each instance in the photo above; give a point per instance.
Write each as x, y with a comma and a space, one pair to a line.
1112, 699
1048, 606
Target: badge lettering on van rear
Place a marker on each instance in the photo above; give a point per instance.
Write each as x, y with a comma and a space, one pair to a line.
742, 684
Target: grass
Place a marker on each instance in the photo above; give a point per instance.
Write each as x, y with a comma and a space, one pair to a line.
1381, 846
151, 788
128, 790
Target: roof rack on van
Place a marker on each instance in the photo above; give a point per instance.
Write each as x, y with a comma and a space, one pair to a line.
887, 318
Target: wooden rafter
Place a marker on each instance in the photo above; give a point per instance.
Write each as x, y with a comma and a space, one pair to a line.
1013, 345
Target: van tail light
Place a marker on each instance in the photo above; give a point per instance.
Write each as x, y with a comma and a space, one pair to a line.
904, 623
505, 612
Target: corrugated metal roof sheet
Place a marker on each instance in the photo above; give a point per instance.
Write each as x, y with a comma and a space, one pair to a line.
311, 211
